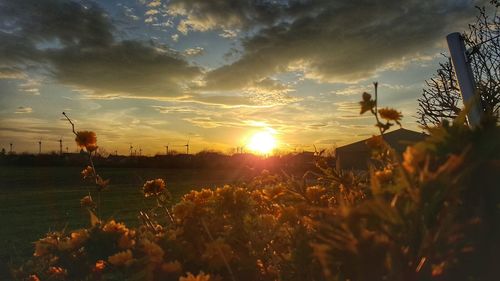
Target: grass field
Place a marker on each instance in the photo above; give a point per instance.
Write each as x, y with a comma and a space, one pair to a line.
36, 200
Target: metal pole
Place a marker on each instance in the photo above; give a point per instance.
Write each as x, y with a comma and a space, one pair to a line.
465, 77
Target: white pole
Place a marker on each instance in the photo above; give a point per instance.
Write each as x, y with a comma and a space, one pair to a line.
463, 71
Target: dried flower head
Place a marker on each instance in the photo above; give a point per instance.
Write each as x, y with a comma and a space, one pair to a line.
99, 266
86, 139
367, 104
171, 267
33, 277
384, 176
56, 271
153, 251
413, 159
200, 277
87, 202
390, 114
87, 172
121, 259
153, 187
78, 237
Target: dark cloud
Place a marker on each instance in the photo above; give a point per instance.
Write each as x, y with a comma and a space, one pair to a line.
204, 15
342, 41
74, 41
125, 67
67, 21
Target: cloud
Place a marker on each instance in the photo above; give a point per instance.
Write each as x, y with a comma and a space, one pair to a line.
228, 33
23, 110
196, 51
129, 68
77, 47
200, 15
9, 72
331, 41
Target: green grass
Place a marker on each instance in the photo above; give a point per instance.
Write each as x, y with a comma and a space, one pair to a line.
36, 200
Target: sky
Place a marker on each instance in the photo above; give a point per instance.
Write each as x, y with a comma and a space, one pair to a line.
151, 73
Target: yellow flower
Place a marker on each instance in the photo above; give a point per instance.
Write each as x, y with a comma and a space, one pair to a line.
79, 237
384, 175
153, 187
315, 194
87, 202
87, 139
171, 267
113, 226
390, 114
126, 241
153, 251
217, 253
56, 271
200, 277
412, 159
121, 259
33, 278
43, 246
87, 172
99, 266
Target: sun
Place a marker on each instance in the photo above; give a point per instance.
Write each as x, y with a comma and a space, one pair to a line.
262, 143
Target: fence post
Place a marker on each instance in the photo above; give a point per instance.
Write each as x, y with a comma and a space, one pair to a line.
465, 77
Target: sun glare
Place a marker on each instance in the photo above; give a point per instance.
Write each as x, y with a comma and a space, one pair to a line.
262, 142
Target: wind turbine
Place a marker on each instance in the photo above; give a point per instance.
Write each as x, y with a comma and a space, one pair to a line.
187, 147
40, 146
131, 147
60, 146
10, 148
166, 149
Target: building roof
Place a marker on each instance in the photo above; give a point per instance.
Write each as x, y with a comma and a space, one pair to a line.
399, 139
357, 155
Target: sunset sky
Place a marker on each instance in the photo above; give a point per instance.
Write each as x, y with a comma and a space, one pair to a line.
152, 73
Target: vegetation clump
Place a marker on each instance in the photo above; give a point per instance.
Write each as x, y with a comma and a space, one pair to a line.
431, 215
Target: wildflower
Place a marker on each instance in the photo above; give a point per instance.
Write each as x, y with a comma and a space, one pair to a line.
87, 139
99, 266
78, 237
200, 277
87, 202
153, 251
126, 241
33, 277
412, 158
384, 175
216, 252
44, 245
171, 267
56, 271
87, 172
153, 187
117, 227
121, 259
315, 193
64, 244
390, 114
438, 269
367, 104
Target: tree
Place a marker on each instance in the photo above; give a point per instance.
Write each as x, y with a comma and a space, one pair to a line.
441, 97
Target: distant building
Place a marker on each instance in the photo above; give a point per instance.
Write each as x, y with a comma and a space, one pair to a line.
356, 156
